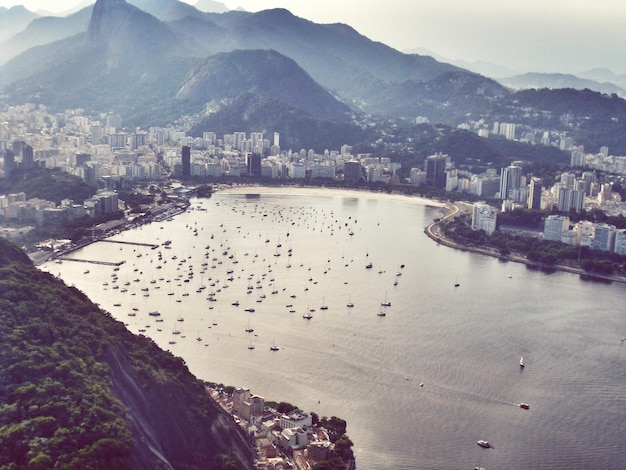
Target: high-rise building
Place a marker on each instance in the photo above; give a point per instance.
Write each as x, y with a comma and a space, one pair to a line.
554, 226
484, 217
604, 237
577, 157
510, 179
436, 170
186, 160
82, 158
28, 159
253, 162
17, 147
352, 171
534, 198
570, 199
507, 129
620, 242
9, 163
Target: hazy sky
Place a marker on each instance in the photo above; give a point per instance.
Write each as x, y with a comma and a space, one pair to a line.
523, 35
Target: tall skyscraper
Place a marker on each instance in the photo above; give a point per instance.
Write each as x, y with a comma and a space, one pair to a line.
534, 198
186, 158
28, 159
510, 179
9, 163
436, 171
253, 162
570, 199
352, 171
484, 217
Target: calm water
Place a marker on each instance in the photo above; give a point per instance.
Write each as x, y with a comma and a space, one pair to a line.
462, 343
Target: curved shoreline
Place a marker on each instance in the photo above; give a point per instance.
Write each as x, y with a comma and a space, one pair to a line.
433, 232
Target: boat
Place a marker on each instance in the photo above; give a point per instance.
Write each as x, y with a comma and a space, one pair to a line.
521, 362
368, 266
307, 316
249, 329
386, 303
525, 406
484, 444
155, 313
273, 347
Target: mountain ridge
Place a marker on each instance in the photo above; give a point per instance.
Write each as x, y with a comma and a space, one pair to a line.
80, 391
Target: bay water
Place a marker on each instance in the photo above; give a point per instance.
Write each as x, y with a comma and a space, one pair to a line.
418, 385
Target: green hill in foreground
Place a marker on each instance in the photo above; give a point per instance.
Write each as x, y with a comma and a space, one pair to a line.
78, 390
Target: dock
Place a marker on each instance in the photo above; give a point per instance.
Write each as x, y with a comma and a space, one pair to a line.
90, 261
151, 245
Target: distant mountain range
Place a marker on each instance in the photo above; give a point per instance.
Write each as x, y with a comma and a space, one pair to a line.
600, 80
13, 20
156, 60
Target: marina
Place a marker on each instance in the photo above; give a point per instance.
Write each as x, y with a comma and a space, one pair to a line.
423, 384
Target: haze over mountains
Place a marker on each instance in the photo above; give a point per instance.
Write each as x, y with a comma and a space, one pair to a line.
154, 61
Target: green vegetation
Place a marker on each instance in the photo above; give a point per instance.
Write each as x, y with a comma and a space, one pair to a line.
56, 403
52, 185
78, 389
544, 252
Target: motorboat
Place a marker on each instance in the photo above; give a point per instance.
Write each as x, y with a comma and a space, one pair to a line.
484, 444
525, 406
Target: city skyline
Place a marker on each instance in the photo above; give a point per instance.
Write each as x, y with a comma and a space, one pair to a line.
523, 36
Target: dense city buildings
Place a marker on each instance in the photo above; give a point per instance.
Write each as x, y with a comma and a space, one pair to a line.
282, 439
101, 152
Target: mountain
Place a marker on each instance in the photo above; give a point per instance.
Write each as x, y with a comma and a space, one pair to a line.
488, 69
594, 119
167, 10
44, 31
252, 112
155, 70
80, 391
147, 71
604, 75
357, 70
13, 20
265, 73
122, 28
559, 80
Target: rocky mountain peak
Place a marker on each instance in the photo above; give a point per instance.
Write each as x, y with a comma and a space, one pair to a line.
107, 18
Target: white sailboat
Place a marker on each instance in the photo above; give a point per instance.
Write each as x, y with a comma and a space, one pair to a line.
386, 303
521, 362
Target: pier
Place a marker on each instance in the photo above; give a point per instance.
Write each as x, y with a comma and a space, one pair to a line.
151, 245
90, 261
